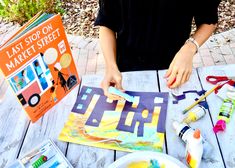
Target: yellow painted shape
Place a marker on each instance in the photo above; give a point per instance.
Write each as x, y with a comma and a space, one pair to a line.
91, 106
129, 118
157, 110
107, 126
160, 143
155, 117
72, 116
120, 106
109, 120
145, 113
136, 102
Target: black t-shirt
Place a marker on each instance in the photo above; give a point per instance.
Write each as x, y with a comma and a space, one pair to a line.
150, 32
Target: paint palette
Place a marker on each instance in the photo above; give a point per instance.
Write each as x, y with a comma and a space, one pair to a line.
46, 155
145, 159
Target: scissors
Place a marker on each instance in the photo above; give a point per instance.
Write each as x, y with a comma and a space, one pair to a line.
216, 79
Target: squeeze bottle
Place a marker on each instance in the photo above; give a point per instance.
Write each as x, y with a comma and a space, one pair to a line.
194, 149
184, 131
225, 113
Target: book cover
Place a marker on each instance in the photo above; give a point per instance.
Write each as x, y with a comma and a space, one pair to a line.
38, 64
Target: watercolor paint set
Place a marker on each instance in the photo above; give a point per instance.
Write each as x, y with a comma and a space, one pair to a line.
46, 155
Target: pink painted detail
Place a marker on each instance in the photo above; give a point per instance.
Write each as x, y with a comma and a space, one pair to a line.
32, 89
220, 126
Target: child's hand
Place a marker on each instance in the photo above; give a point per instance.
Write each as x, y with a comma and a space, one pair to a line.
112, 77
181, 67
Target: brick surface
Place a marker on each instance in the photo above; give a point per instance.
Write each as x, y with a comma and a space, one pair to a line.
208, 61
217, 50
226, 50
197, 58
230, 59
205, 51
232, 45
92, 61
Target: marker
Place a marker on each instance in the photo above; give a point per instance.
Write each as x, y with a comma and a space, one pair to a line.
115, 91
55, 164
41, 160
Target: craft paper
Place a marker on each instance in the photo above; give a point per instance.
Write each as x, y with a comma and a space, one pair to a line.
98, 121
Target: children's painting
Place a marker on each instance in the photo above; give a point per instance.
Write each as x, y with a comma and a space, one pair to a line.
98, 121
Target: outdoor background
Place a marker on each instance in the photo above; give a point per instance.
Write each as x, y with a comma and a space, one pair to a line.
79, 15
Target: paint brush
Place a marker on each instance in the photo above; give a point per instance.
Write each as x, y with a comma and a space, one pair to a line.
31, 155
200, 99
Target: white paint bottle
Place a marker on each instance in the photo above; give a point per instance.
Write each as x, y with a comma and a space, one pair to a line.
194, 149
184, 131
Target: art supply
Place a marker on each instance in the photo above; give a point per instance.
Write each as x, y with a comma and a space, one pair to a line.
55, 164
200, 99
195, 114
28, 157
185, 132
194, 149
45, 155
225, 114
42, 159
216, 79
49, 154
115, 91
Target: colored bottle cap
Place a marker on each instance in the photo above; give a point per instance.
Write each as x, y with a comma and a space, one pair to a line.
220, 126
197, 134
44, 158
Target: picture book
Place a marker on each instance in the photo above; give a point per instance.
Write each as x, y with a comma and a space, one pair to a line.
46, 155
38, 64
98, 121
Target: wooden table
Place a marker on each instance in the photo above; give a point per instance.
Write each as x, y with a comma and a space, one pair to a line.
18, 135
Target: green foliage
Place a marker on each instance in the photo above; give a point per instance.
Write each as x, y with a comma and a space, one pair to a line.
22, 10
